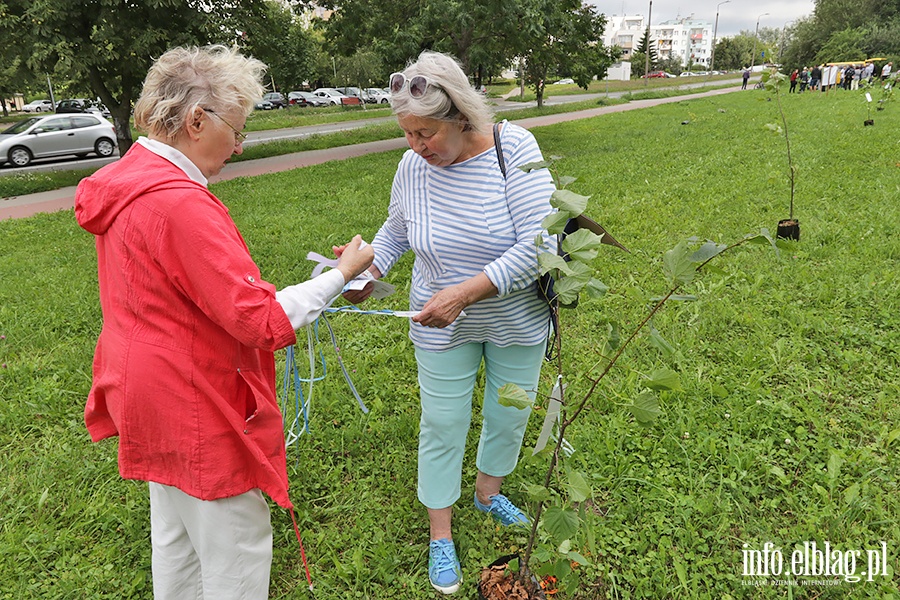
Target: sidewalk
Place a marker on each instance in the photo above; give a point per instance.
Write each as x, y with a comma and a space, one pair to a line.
25, 206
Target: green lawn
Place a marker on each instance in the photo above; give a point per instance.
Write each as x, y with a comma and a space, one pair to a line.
787, 429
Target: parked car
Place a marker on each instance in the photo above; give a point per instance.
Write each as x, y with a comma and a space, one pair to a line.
564, 81
57, 135
73, 105
331, 95
354, 92
378, 95
38, 106
655, 74
82, 105
263, 105
305, 99
277, 99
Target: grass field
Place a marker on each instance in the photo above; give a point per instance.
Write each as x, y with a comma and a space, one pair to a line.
787, 429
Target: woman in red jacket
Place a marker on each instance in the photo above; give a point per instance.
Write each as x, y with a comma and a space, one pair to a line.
184, 371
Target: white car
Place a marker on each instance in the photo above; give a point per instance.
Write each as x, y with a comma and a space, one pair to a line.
331, 95
57, 135
565, 81
379, 95
38, 106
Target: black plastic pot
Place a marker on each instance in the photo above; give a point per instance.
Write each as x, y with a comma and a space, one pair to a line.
788, 229
536, 594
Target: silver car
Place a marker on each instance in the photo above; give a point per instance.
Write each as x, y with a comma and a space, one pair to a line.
57, 135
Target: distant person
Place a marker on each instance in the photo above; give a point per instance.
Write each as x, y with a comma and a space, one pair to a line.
815, 77
794, 74
804, 79
886, 71
184, 370
745, 77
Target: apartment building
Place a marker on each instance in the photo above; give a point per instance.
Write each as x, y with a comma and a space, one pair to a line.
684, 38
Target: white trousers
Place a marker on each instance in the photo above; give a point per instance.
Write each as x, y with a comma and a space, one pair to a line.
209, 550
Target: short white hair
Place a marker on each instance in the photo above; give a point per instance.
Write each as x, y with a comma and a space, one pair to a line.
449, 96
214, 77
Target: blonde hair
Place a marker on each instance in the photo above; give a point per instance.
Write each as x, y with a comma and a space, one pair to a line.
449, 96
214, 77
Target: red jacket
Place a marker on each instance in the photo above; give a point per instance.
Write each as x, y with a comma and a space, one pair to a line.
184, 371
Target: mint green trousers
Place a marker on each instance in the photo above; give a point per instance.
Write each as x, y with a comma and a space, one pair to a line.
446, 385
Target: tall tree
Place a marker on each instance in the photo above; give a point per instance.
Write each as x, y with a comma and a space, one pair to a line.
278, 38
646, 46
563, 36
480, 33
110, 44
735, 52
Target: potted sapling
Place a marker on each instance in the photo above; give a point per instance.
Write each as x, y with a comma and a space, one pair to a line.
787, 228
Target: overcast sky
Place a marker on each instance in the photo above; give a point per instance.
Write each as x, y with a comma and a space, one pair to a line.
733, 16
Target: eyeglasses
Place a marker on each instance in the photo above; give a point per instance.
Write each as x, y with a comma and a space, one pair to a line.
239, 136
418, 85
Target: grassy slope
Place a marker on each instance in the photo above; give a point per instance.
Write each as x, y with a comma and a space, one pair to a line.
789, 364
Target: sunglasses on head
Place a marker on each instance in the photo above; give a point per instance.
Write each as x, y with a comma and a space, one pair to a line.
418, 85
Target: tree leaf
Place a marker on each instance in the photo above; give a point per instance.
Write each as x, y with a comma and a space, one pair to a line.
658, 342
513, 395
596, 288
580, 271
537, 493
534, 166
579, 488
613, 335
561, 523
555, 222
569, 201
677, 265
549, 262
645, 408
566, 180
582, 245
707, 251
664, 379
568, 288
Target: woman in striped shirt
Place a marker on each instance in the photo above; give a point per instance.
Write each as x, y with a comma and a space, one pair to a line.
472, 229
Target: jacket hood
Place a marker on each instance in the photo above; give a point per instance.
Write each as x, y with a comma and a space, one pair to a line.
101, 197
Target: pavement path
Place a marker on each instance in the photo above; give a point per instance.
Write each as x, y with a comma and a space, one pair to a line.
64, 198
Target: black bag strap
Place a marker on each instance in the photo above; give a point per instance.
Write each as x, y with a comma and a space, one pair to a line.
499, 148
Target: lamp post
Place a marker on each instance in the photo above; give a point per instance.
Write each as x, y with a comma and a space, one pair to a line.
647, 57
712, 58
755, 38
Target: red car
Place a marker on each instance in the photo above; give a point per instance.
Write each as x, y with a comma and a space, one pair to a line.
653, 74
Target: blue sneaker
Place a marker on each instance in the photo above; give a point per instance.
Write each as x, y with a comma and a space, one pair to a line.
503, 510
443, 566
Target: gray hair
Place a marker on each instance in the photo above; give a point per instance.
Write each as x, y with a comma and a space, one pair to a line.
449, 96
182, 79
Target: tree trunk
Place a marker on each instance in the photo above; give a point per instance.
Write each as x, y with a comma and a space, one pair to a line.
122, 122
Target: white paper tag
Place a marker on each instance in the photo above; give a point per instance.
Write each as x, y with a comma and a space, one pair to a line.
552, 415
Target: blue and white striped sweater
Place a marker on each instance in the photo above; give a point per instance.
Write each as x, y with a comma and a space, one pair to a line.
465, 219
